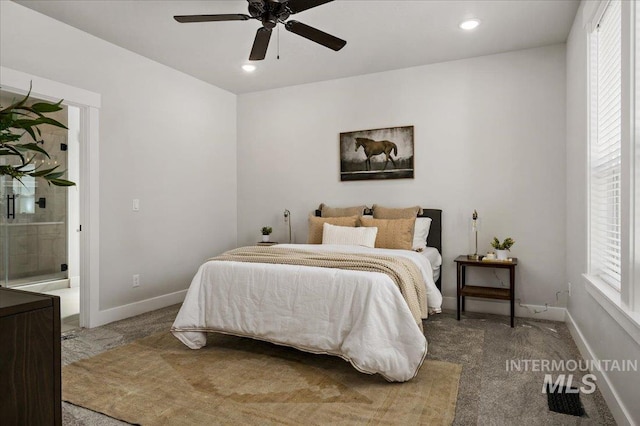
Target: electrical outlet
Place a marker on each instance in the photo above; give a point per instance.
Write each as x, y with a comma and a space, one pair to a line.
569, 289
136, 280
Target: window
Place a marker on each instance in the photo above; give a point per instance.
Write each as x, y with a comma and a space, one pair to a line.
613, 278
605, 165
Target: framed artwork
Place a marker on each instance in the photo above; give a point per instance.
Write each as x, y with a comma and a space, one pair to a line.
377, 154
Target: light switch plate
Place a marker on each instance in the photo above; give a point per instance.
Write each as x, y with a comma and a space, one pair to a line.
136, 205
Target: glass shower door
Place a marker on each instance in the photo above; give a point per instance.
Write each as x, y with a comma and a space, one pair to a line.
33, 224
34, 233
4, 239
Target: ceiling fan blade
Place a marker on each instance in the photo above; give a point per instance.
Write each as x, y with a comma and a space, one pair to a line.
211, 18
296, 6
260, 44
315, 34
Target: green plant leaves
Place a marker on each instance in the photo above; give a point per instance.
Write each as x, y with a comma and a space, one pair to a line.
61, 182
15, 120
43, 172
44, 107
10, 137
30, 125
505, 245
12, 150
32, 147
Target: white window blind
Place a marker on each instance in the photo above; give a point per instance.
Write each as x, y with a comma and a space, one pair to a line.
605, 150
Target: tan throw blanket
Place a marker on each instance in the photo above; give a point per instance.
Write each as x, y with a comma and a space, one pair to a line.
404, 273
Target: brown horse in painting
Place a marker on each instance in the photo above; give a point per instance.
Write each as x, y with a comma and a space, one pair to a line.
372, 148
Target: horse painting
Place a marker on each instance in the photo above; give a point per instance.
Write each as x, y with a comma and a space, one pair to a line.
372, 148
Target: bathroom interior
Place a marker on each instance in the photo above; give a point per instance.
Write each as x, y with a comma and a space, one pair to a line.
39, 225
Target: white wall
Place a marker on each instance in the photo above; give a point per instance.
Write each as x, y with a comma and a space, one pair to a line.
165, 138
489, 135
604, 337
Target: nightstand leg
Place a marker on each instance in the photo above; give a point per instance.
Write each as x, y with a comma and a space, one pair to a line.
512, 286
464, 280
458, 276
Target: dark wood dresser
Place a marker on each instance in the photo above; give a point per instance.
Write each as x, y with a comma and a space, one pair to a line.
30, 364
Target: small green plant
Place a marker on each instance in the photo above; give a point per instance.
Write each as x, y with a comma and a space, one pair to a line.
506, 244
266, 230
18, 119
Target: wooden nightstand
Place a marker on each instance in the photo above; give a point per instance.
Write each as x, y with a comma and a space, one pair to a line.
464, 290
30, 364
266, 243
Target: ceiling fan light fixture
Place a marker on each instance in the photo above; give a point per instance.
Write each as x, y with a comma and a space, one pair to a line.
469, 24
249, 68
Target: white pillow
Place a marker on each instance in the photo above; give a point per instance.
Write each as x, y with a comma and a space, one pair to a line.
347, 235
421, 232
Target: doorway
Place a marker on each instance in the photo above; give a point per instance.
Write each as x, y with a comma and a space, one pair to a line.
39, 243
88, 223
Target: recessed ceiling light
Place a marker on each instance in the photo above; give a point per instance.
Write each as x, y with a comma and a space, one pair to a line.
469, 24
249, 68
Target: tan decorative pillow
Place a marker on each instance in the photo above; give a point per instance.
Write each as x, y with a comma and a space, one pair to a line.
380, 212
327, 211
392, 233
315, 226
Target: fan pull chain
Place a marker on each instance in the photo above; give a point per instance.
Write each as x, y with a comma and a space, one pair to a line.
278, 37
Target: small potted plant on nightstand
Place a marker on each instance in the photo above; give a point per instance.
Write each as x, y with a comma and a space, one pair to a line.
266, 231
502, 248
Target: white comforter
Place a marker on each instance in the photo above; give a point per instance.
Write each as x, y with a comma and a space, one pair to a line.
359, 316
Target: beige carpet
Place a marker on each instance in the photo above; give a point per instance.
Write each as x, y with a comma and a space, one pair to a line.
233, 380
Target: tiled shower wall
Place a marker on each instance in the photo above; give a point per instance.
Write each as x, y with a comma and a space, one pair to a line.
36, 250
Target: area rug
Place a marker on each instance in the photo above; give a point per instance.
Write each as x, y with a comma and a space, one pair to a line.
234, 380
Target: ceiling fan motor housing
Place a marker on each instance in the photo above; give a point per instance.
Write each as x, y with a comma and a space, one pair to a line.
270, 12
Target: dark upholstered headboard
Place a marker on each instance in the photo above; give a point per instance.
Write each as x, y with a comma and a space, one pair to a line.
434, 239
435, 233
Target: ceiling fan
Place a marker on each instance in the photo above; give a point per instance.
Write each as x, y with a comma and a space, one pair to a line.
271, 13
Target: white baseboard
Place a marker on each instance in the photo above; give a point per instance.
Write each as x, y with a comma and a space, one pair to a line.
501, 307
143, 306
619, 412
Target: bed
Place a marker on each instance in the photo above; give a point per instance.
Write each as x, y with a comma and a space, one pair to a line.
358, 315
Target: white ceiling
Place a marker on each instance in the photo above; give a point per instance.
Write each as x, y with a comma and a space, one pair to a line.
381, 35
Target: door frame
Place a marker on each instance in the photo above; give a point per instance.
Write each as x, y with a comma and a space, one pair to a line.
89, 104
